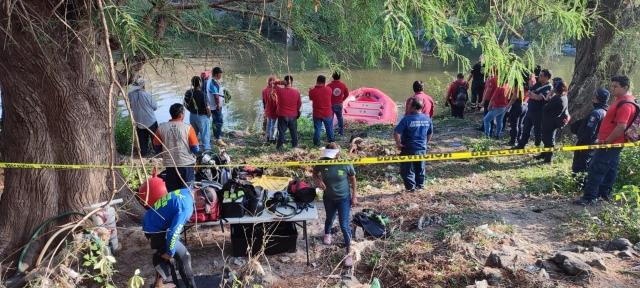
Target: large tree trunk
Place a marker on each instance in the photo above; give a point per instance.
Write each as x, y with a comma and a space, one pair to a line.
55, 111
600, 56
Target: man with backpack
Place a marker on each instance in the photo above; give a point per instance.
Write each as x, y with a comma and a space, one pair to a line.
197, 103
586, 129
604, 164
457, 96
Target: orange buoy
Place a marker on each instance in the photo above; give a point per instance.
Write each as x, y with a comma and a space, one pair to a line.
152, 190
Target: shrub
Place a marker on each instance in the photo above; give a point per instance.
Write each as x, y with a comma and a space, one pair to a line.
628, 171
123, 134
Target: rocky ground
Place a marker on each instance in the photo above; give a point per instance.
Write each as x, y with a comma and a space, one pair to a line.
503, 222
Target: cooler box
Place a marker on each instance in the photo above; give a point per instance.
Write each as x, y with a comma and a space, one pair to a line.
281, 237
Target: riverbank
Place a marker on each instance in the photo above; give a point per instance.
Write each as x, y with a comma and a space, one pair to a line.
526, 207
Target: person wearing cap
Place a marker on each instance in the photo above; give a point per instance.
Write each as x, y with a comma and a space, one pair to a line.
455, 88
143, 108
215, 93
163, 224
339, 93
269, 103
180, 143
557, 105
603, 167
320, 96
340, 194
412, 134
588, 135
537, 94
428, 104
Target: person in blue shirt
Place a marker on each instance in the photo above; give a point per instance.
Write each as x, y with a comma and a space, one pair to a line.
412, 135
163, 223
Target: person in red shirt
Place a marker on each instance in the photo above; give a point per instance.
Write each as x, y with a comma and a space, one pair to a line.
604, 164
497, 106
321, 96
456, 88
269, 105
288, 103
428, 108
490, 86
339, 94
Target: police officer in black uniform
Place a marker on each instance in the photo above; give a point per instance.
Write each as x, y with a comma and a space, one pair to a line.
588, 134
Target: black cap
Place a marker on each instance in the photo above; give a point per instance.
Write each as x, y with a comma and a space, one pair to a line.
460, 75
216, 70
602, 95
210, 196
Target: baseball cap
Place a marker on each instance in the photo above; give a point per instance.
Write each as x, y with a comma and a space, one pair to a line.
602, 95
330, 153
216, 70
460, 75
210, 196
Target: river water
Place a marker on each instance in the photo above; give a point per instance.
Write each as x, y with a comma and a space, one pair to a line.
246, 79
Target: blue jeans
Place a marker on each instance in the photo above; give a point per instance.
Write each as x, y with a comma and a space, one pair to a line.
337, 111
494, 113
271, 128
200, 124
412, 172
343, 208
216, 120
328, 126
603, 170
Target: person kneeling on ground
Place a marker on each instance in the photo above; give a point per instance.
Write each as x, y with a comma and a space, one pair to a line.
162, 225
412, 135
340, 194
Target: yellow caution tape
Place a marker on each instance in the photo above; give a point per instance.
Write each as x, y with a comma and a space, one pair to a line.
356, 161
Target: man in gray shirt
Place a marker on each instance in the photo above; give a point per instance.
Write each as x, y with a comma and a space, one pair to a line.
143, 106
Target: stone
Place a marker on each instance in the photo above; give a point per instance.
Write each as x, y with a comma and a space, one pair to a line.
574, 249
585, 257
595, 249
547, 265
413, 206
285, 259
479, 284
576, 267
492, 275
508, 258
543, 275
598, 264
626, 254
619, 244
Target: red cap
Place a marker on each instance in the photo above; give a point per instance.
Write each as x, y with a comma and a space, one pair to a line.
205, 75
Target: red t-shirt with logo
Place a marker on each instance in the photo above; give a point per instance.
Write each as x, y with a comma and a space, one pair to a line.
428, 104
339, 91
288, 101
617, 115
321, 98
269, 104
453, 89
500, 97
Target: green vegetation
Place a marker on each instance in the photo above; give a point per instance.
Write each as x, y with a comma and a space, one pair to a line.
124, 134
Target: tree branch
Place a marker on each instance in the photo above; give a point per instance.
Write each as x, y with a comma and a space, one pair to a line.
190, 5
194, 30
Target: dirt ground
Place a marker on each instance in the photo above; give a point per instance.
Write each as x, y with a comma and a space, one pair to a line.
448, 252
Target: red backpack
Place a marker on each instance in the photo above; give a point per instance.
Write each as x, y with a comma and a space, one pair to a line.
301, 191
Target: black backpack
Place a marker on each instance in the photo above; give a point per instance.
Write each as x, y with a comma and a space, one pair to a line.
301, 191
462, 95
373, 223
